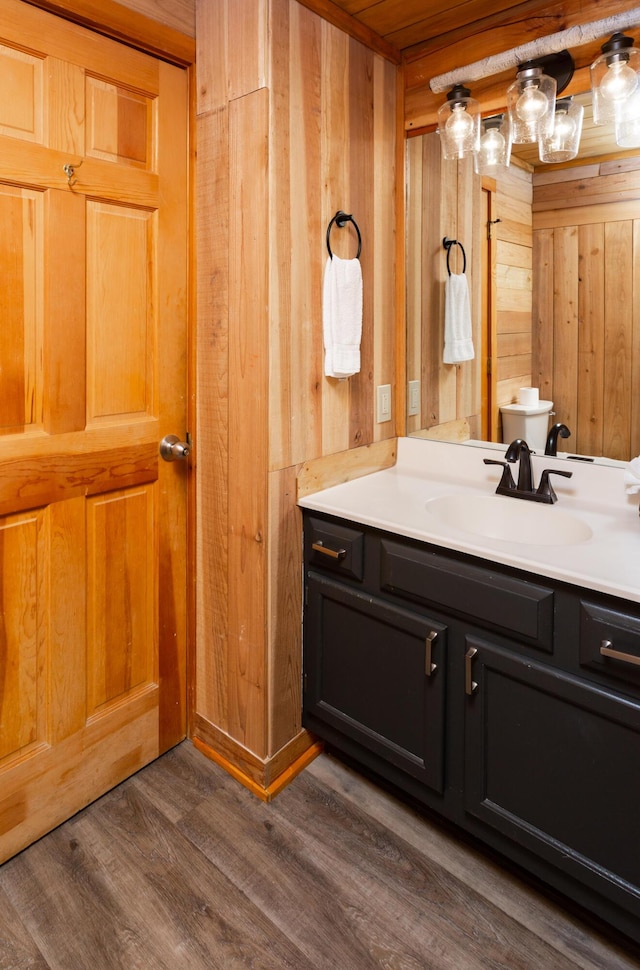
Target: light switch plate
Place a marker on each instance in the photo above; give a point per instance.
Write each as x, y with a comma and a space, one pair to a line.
413, 398
384, 403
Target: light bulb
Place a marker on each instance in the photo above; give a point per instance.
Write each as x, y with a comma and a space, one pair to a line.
531, 105
564, 127
459, 124
492, 147
619, 82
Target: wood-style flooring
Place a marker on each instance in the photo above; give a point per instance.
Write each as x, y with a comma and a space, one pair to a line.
181, 867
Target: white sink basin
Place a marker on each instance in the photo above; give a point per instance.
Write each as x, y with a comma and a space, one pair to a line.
510, 519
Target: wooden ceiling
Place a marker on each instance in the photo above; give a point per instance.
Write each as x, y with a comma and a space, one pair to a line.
412, 28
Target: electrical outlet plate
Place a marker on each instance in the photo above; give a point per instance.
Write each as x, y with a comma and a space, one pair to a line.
384, 403
413, 398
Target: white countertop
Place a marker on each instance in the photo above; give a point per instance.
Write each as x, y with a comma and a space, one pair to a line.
396, 498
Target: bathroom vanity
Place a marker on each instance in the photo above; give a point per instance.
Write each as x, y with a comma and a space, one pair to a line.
495, 680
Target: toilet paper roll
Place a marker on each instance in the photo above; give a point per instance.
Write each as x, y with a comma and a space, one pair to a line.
528, 396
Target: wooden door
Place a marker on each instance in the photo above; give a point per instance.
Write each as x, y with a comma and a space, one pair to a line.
93, 291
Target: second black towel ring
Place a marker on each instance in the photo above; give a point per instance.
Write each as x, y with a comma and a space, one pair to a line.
448, 243
341, 218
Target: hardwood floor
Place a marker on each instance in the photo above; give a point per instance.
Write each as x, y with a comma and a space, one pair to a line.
181, 867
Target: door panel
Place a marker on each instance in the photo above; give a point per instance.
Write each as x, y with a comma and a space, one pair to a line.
92, 524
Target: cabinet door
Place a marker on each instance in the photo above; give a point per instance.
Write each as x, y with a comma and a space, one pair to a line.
551, 762
375, 673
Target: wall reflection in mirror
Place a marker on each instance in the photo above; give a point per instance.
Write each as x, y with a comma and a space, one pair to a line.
553, 271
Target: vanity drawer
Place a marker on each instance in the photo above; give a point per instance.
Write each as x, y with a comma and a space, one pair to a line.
335, 547
610, 642
485, 596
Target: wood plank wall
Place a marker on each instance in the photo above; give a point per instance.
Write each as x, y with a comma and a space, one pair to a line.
295, 120
441, 201
587, 303
514, 242
444, 200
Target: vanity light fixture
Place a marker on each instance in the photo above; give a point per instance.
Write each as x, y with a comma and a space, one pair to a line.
562, 143
614, 79
494, 152
459, 123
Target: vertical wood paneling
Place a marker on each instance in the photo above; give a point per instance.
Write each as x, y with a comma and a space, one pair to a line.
468, 394
414, 278
382, 243
595, 392
591, 342
212, 436
285, 657
320, 136
542, 343
361, 174
248, 412
212, 31
336, 195
618, 238
438, 210
565, 315
296, 358
248, 46
635, 354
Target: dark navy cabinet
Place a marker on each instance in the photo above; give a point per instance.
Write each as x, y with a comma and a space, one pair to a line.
507, 702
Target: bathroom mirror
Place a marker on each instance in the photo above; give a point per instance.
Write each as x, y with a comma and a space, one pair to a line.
553, 292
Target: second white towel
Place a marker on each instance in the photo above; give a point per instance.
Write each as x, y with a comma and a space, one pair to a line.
458, 342
342, 316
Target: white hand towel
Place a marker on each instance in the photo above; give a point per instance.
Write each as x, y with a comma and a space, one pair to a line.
342, 316
632, 476
458, 344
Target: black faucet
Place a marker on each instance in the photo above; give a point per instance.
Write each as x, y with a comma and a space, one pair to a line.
519, 451
551, 447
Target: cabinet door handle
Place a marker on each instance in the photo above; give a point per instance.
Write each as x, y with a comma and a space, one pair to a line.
606, 650
429, 666
470, 686
332, 553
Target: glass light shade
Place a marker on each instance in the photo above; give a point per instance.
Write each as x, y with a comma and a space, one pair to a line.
530, 102
627, 125
563, 142
494, 152
459, 124
614, 78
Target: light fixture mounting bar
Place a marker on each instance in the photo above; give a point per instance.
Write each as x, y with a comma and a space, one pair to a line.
552, 44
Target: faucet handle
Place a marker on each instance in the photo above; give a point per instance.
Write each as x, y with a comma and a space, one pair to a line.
545, 488
506, 483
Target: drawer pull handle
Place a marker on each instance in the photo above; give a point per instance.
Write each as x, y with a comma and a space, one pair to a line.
429, 666
331, 553
470, 686
606, 650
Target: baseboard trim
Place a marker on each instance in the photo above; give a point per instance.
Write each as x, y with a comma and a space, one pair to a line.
264, 778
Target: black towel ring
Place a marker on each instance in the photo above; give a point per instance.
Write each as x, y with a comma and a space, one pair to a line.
448, 243
341, 218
